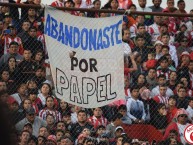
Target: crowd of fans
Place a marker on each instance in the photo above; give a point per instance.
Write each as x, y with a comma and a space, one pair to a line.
158, 75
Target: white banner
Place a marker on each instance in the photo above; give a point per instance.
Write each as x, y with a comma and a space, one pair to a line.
86, 58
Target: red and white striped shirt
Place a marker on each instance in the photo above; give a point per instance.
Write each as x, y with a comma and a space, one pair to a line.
125, 4
98, 121
57, 3
167, 74
9, 39
44, 112
154, 31
161, 99
41, 38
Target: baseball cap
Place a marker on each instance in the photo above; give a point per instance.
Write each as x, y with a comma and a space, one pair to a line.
30, 111
180, 111
7, 15
11, 100
118, 128
185, 53
158, 42
10, 26
28, 124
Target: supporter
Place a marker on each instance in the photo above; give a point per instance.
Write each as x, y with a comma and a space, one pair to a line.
31, 84
49, 109
28, 127
43, 131
128, 70
97, 118
151, 78
183, 47
12, 67
11, 36
97, 5
125, 41
13, 51
140, 81
182, 99
135, 107
171, 63
142, 7
156, 6
35, 21
32, 95
179, 125
171, 109
159, 120
61, 126
45, 91
165, 50
59, 134
38, 57
38, 76
154, 28
163, 67
123, 110
162, 97
34, 120
41, 140
5, 77
58, 3
12, 104
32, 141
24, 137
170, 6
165, 38
50, 120
63, 107
116, 121
26, 66
75, 109
143, 32
32, 43
172, 80
66, 118
7, 20
183, 64
140, 41
25, 105
133, 29
23, 34
161, 79
4, 10
66, 141
3, 86
77, 128
151, 62
181, 6
158, 47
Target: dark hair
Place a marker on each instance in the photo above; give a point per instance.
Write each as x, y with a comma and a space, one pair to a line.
173, 97
173, 131
132, 5
13, 43
134, 87
165, 34
59, 130
163, 58
33, 28
96, 1
32, 91
190, 99
33, 138
82, 111
139, 36
122, 107
117, 116
161, 76
123, 31
140, 25
180, 1
50, 91
160, 105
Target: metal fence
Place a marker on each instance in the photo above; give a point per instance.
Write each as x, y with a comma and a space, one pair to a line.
158, 58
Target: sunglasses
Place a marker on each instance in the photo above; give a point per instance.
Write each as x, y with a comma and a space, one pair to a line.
183, 116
